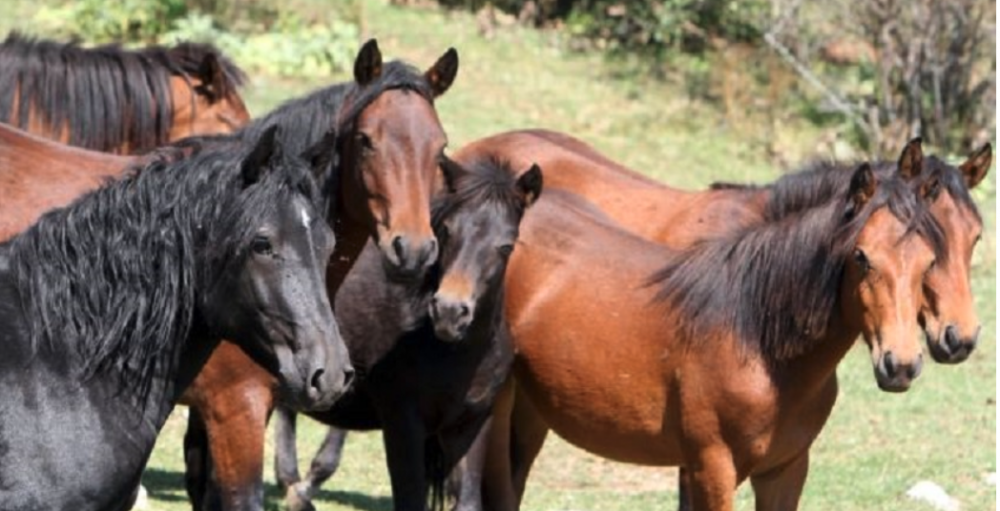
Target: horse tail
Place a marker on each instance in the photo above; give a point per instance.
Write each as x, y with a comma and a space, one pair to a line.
436, 473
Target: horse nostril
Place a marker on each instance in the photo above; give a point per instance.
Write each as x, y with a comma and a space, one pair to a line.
432, 252
951, 340
464, 310
316, 382
348, 376
889, 364
397, 246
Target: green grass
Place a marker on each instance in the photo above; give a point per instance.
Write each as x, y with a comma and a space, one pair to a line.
875, 446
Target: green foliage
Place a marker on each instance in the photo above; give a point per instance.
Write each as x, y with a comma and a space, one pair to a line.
257, 34
653, 27
289, 48
101, 21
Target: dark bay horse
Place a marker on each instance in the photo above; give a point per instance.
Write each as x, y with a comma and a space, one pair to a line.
435, 353
678, 218
111, 306
724, 361
115, 100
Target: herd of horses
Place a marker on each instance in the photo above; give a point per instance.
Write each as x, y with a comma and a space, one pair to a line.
330, 258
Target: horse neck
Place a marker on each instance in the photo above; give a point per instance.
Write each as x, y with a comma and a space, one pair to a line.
489, 316
352, 236
813, 370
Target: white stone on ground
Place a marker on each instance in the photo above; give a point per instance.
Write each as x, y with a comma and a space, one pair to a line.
142, 500
930, 493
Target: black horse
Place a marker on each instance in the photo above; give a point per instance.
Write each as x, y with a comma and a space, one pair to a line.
110, 307
430, 354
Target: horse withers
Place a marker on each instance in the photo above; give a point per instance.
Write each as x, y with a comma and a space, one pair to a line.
112, 305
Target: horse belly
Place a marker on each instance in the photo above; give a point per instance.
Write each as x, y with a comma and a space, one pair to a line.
613, 403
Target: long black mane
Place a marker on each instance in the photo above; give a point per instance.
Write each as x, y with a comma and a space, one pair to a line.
113, 280
775, 284
104, 96
308, 120
489, 180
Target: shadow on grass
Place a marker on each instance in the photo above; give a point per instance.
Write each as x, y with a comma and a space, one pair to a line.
164, 485
356, 500
168, 486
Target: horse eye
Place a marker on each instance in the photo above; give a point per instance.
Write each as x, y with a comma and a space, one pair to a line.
364, 141
862, 260
505, 250
261, 245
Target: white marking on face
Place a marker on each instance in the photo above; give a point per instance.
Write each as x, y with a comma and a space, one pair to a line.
305, 218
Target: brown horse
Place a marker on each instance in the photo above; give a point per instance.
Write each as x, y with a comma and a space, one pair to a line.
725, 360
115, 100
677, 218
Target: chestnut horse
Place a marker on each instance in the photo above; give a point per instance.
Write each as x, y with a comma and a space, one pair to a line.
115, 100
677, 218
724, 361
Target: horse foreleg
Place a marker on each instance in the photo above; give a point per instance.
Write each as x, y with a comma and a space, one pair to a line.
713, 480
780, 488
527, 436
466, 478
236, 423
405, 453
198, 464
683, 489
298, 496
286, 454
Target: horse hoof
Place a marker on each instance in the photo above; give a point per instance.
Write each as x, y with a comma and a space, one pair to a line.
297, 501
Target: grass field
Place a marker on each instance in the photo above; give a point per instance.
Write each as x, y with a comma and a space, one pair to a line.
875, 446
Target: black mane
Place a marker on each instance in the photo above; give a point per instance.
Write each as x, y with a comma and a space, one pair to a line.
307, 121
485, 180
775, 284
114, 278
105, 96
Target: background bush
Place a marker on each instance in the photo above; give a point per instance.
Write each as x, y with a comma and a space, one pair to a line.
260, 36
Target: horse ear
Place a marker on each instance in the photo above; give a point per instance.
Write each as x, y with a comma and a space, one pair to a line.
451, 171
263, 153
863, 185
975, 168
368, 65
931, 187
530, 184
213, 78
442, 74
911, 162
321, 156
